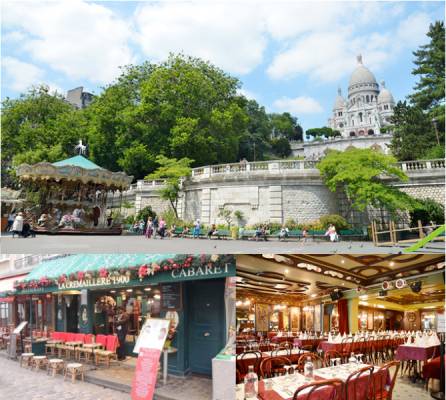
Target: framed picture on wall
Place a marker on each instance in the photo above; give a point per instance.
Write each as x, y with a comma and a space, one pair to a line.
262, 317
317, 318
295, 318
370, 321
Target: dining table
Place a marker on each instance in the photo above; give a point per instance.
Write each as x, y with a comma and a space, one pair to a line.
283, 387
418, 355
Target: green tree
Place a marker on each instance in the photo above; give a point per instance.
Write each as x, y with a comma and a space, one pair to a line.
325, 132
426, 211
226, 214
172, 171
416, 125
413, 133
255, 140
359, 174
38, 126
281, 147
285, 125
429, 92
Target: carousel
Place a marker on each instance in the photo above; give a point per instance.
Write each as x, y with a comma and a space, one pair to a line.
72, 196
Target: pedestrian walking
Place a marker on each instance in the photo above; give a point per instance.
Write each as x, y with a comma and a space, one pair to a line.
155, 226
149, 228
11, 218
197, 229
162, 228
17, 226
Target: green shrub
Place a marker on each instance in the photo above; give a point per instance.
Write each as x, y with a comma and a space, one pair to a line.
145, 213
291, 224
428, 210
338, 221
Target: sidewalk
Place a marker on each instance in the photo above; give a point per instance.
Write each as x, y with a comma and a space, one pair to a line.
102, 383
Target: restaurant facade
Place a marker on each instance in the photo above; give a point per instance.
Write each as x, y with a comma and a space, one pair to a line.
81, 293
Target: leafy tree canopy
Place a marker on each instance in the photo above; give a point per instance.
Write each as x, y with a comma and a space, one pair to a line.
172, 171
325, 131
361, 174
285, 125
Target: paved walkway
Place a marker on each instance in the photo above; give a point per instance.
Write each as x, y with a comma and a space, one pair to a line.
21, 383
139, 244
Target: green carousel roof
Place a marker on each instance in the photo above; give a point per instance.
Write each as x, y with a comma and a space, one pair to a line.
54, 268
77, 161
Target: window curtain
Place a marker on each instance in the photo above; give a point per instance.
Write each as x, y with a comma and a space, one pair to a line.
343, 316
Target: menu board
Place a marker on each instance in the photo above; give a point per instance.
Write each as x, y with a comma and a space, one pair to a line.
20, 327
144, 380
171, 298
153, 334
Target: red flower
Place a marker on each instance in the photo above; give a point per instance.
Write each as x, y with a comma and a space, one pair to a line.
170, 260
142, 272
103, 273
80, 275
62, 278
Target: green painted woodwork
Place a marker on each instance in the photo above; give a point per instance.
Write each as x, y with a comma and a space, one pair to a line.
77, 161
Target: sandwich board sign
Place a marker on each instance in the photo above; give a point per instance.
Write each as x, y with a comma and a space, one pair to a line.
149, 345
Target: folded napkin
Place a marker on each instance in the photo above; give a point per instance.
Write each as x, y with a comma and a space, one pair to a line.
433, 340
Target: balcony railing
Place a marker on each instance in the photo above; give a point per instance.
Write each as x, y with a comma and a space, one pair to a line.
276, 167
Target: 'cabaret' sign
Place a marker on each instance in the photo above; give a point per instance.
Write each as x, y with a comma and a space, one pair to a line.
110, 280
203, 270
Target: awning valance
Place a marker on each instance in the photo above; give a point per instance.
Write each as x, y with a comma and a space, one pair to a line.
88, 269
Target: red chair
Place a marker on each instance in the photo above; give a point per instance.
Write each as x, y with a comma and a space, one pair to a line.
358, 385
102, 340
384, 381
431, 370
329, 389
109, 353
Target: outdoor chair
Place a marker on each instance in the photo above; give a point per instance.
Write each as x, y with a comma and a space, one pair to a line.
110, 351
329, 389
74, 369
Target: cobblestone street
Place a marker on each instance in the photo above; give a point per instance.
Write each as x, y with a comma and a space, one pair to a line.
20, 383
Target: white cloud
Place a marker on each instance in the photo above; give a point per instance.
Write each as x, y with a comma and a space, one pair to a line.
327, 54
19, 75
82, 40
231, 36
298, 105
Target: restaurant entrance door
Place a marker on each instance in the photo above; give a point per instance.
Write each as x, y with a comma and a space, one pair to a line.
72, 314
206, 323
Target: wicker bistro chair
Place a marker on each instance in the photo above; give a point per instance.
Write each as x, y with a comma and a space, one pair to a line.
273, 366
385, 381
359, 385
330, 389
85, 352
109, 353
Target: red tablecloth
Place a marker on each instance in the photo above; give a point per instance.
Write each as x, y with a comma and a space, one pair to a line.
281, 339
307, 342
325, 346
404, 352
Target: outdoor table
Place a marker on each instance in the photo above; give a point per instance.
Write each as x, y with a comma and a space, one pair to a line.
166, 352
92, 345
74, 343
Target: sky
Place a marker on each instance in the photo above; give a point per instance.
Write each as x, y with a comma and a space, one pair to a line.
288, 56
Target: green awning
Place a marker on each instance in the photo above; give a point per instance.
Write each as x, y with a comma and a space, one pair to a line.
77, 161
52, 269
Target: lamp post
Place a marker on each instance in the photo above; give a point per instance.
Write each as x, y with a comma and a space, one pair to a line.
435, 123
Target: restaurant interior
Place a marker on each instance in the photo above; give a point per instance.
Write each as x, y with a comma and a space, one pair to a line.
346, 326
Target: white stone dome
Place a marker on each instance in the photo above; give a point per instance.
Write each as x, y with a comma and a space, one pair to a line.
362, 75
385, 96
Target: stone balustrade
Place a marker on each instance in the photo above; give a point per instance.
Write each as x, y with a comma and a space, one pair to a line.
276, 167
